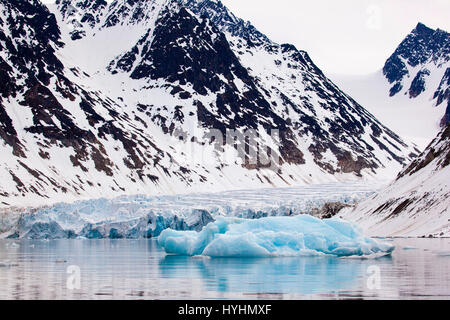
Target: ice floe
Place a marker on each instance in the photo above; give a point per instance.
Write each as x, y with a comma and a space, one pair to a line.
301, 235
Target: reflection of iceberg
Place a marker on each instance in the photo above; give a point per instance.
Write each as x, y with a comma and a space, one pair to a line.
288, 275
275, 236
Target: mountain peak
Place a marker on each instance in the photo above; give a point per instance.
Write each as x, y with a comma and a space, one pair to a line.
422, 29
82, 16
226, 21
424, 49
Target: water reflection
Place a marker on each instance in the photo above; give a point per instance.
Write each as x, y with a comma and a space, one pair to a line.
130, 269
306, 275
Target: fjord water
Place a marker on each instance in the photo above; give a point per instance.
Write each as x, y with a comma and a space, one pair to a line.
139, 269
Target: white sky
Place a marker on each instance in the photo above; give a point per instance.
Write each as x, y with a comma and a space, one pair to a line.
342, 36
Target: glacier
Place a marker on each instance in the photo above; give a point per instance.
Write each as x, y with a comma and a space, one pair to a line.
302, 235
141, 217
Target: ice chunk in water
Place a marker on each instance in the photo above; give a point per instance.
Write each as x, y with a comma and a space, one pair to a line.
271, 237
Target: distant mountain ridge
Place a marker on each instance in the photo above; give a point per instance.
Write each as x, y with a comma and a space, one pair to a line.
411, 94
422, 50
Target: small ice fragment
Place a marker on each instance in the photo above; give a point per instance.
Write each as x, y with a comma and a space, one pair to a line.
60, 261
409, 248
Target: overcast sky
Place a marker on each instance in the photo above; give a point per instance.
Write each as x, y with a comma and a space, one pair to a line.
342, 36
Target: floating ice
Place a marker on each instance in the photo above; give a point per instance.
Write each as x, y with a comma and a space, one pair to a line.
302, 235
60, 260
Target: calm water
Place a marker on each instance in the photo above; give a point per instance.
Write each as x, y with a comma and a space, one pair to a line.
128, 269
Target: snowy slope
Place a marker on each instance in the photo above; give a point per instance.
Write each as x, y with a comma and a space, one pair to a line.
411, 94
417, 203
102, 99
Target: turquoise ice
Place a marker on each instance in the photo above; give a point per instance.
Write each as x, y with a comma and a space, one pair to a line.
301, 235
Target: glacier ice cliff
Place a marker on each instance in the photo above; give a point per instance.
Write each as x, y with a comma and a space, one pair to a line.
140, 217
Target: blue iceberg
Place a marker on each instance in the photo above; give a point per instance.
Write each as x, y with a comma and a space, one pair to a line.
301, 235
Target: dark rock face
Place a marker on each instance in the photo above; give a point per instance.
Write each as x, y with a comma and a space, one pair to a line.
101, 14
442, 94
395, 89
395, 70
446, 119
418, 84
180, 51
329, 210
36, 63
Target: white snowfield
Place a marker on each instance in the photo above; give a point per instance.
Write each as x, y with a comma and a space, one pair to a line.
146, 217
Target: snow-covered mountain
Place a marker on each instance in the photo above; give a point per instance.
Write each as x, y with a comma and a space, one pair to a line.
411, 94
418, 202
408, 69
100, 99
